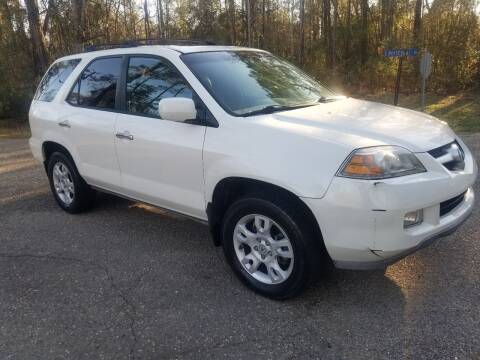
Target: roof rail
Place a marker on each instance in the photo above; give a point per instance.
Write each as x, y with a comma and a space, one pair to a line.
142, 42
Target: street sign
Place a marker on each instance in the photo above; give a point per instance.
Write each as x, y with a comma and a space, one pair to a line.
400, 52
426, 64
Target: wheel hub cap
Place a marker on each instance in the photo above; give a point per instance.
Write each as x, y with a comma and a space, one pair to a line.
63, 183
263, 248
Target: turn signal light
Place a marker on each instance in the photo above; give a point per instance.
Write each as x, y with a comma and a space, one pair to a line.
380, 162
362, 165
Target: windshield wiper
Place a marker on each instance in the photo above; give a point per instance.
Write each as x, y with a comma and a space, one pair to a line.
324, 99
270, 109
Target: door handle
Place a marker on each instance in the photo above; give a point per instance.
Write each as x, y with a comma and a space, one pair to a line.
64, 123
125, 135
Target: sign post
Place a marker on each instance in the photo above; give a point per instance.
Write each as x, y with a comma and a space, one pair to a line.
425, 70
400, 53
397, 83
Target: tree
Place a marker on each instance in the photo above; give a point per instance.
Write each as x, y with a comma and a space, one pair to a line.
387, 13
249, 22
233, 32
146, 19
327, 31
301, 59
332, 39
78, 13
349, 30
364, 32
417, 23
160, 24
36, 36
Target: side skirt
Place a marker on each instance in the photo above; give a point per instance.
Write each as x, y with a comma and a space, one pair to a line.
174, 212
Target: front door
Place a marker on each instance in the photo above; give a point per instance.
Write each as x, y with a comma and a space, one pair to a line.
160, 160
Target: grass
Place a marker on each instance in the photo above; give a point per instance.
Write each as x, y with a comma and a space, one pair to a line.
12, 129
461, 111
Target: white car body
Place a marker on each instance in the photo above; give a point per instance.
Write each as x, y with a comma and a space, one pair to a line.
177, 166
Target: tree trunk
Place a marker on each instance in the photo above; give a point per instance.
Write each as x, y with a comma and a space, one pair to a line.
389, 21
233, 33
167, 18
147, 21
301, 58
364, 32
132, 19
334, 35
48, 15
417, 23
125, 21
417, 30
8, 18
36, 37
314, 20
349, 31
326, 31
263, 24
383, 18
249, 23
160, 18
78, 14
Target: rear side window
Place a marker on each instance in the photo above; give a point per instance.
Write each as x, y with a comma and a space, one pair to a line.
54, 79
151, 79
97, 85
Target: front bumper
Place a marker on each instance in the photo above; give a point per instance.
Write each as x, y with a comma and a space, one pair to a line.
362, 221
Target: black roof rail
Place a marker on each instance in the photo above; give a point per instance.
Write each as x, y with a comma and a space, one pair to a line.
142, 42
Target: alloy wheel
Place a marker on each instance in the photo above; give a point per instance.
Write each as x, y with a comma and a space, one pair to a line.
63, 183
263, 248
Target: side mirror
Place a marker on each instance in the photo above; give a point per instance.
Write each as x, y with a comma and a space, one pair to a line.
177, 109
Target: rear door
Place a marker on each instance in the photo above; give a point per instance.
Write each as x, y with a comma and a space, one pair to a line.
90, 121
160, 160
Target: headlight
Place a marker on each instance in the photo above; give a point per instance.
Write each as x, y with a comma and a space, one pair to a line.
380, 162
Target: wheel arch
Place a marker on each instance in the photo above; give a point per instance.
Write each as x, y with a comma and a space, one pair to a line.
229, 189
50, 147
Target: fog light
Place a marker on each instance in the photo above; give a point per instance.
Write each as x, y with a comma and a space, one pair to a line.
413, 218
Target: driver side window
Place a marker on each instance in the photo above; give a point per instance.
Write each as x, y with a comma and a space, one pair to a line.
149, 80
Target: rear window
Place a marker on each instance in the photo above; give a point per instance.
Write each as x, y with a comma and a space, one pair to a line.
97, 85
54, 79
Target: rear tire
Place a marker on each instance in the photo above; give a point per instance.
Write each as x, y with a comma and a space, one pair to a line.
260, 235
70, 191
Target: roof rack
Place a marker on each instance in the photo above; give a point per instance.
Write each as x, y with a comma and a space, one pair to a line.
143, 42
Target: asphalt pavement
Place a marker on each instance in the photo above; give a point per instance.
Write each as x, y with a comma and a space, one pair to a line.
128, 281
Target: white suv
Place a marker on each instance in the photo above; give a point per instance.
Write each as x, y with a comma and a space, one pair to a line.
289, 176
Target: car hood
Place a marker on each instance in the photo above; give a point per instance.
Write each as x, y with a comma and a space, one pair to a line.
364, 123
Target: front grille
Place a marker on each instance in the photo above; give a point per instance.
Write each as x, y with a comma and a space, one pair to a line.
450, 204
450, 155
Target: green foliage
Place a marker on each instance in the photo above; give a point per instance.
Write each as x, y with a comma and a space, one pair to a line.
334, 50
16, 67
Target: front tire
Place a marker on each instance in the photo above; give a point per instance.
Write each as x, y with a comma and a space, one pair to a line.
70, 191
270, 248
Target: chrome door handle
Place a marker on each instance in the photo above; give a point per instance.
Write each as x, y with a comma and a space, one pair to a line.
64, 123
124, 135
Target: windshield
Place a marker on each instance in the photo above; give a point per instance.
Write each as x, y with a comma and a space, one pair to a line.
249, 82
